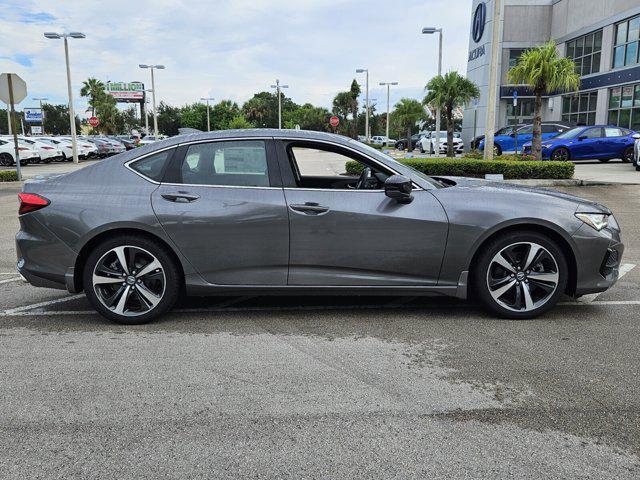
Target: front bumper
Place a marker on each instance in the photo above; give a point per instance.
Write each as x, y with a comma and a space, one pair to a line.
598, 259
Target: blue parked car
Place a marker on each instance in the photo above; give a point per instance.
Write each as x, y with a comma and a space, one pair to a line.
506, 141
601, 142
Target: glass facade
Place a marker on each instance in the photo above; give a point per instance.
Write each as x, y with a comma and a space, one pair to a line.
580, 109
624, 106
626, 43
586, 52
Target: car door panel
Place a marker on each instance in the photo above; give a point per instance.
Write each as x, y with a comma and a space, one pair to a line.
363, 238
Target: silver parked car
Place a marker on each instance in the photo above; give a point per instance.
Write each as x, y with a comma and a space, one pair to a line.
272, 212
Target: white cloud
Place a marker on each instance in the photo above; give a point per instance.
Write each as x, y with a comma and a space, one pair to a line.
232, 49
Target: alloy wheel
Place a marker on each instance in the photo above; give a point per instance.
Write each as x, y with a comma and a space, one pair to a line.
129, 280
628, 155
561, 155
523, 277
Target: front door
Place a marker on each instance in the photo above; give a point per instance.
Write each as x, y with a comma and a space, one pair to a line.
587, 145
345, 231
222, 204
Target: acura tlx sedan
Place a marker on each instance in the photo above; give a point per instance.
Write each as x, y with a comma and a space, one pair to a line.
266, 212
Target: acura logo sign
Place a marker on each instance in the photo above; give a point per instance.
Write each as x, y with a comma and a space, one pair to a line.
479, 18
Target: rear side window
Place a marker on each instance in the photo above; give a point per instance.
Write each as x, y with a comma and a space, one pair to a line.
241, 163
612, 132
153, 166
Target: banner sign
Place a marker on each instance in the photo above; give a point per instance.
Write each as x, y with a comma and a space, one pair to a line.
32, 115
36, 130
126, 91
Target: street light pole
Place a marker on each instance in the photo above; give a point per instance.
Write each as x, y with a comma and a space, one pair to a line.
279, 88
153, 94
430, 31
493, 83
366, 118
72, 116
41, 99
388, 84
208, 120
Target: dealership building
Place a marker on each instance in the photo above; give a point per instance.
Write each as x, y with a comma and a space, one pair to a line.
601, 36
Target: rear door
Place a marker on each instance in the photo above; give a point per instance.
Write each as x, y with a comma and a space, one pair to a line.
345, 236
222, 204
614, 141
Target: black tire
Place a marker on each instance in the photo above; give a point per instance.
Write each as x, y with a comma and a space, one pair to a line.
604, 160
62, 158
560, 155
497, 150
47, 160
172, 273
480, 273
627, 156
399, 146
6, 160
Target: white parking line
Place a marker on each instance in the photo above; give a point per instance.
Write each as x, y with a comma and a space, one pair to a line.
13, 311
10, 280
624, 269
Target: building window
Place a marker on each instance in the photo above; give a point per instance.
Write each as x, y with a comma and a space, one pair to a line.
626, 46
586, 52
624, 106
514, 56
580, 109
522, 113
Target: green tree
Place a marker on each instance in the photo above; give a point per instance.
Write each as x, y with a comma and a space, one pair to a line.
168, 119
309, 118
93, 89
342, 103
448, 92
354, 92
239, 122
544, 70
262, 109
56, 119
406, 114
194, 116
223, 113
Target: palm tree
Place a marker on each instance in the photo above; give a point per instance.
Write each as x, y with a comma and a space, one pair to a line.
449, 92
546, 72
407, 113
92, 88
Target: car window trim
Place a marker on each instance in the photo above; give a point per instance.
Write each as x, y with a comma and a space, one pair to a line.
128, 163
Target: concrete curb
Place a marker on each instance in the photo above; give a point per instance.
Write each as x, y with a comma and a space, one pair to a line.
573, 182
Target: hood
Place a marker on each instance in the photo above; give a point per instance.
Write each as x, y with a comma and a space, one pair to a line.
581, 204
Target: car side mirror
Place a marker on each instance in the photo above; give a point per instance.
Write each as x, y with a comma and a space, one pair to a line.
399, 188
636, 136
582, 137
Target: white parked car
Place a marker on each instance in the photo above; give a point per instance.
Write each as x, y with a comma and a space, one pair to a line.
25, 151
85, 149
67, 153
427, 144
46, 151
382, 140
636, 155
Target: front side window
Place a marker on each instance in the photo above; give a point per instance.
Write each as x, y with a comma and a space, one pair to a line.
626, 48
152, 166
586, 52
233, 163
593, 133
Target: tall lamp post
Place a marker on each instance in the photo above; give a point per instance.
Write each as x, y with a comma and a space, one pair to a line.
41, 99
431, 31
278, 88
72, 116
388, 84
208, 120
366, 118
153, 94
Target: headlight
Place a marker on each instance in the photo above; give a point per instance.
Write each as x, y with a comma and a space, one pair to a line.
597, 221
546, 145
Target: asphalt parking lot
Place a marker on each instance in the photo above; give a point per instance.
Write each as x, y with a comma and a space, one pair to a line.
322, 387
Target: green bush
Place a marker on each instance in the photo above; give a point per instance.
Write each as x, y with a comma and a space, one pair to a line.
465, 167
477, 155
8, 176
373, 145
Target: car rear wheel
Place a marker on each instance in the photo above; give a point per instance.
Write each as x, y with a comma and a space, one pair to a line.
604, 160
627, 157
400, 146
131, 280
520, 275
62, 158
6, 160
560, 155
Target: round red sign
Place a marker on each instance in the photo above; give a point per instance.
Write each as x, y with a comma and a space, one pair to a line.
334, 121
94, 121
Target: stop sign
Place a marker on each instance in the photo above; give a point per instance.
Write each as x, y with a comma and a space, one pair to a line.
334, 121
94, 121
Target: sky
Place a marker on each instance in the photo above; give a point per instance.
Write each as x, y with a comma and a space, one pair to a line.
233, 49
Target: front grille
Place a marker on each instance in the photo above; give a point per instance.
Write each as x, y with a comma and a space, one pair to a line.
610, 262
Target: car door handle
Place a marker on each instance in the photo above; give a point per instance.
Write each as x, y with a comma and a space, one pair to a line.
180, 197
310, 208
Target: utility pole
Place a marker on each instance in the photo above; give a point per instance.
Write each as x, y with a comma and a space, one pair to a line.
208, 120
153, 95
366, 118
279, 88
430, 31
493, 83
388, 84
41, 99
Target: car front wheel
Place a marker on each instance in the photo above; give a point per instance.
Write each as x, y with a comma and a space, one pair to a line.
131, 280
520, 275
628, 155
560, 155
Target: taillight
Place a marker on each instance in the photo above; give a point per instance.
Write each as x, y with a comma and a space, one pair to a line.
22, 148
30, 202
47, 148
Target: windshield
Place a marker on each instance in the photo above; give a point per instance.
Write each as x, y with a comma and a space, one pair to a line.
573, 133
505, 131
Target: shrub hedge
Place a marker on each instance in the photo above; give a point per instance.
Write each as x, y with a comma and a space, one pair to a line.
505, 156
465, 167
8, 176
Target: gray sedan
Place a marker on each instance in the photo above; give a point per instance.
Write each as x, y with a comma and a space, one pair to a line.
269, 212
